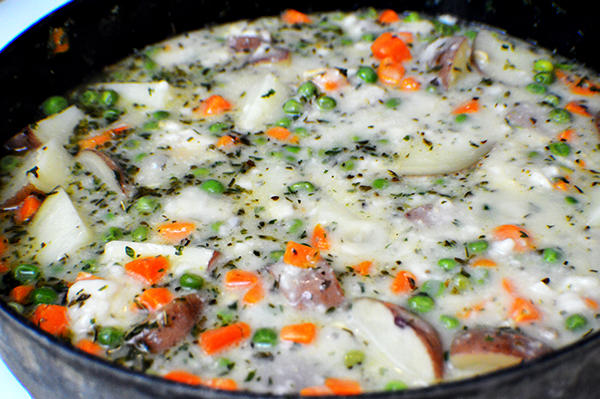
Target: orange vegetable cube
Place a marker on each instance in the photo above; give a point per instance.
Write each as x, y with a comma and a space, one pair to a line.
300, 255
404, 282
294, 17
183, 377
388, 16
51, 318
220, 339
390, 46
155, 298
304, 333
148, 270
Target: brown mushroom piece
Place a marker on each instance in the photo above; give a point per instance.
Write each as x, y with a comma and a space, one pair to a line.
483, 350
432, 215
106, 169
167, 326
306, 288
408, 341
241, 44
450, 55
26, 140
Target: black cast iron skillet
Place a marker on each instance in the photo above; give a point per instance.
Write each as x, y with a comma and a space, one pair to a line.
102, 32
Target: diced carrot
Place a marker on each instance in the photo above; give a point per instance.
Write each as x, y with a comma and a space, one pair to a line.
591, 303
51, 318
320, 239
177, 231
254, 295
390, 46
20, 293
303, 333
363, 268
86, 276
282, 134
95, 141
240, 279
213, 105
410, 84
407, 37
90, 347
483, 262
566, 135
577, 84
3, 245
469, 311
390, 72
581, 163
319, 390
331, 80
561, 184
300, 255
60, 40
388, 16
220, 339
183, 377
28, 208
521, 237
341, 386
468, 107
509, 287
4, 268
576, 107
523, 311
155, 298
226, 142
225, 384
404, 282
148, 270
294, 17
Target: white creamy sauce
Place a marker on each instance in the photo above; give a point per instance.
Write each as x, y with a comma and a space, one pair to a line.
399, 179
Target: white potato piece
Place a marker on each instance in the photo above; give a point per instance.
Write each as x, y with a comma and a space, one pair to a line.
182, 259
90, 303
481, 350
153, 96
193, 203
42, 170
407, 341
262, 103
57, 228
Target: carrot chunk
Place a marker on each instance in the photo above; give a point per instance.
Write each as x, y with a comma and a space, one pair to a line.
148, 270
20, 293
282, 134
483, 262
155, 298
300, 255
388, 16
295, 17
410, 84
51, 318
404, 282
89, 347
523, 311
240, 279
468, 107
175, 232
303, 333
319, 390
225, 384
390, 72
341, 386
320, 239
183, 377
254, 295
521, 237
390, 46
363, 268
213, 105
220, 339
226, 142
576, 107
27, 209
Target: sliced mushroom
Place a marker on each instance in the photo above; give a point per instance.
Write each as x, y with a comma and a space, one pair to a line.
431, 214
26, 140
107, 170
166, 327
268, 54
306, 288
451, 56
241, 44
408, 341
486, 349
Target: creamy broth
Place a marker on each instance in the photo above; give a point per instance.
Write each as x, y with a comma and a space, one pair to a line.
333, 203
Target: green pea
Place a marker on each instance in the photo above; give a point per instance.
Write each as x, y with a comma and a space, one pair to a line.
552, 99
146, 205
447, 264
89, 98
54, 105
265, 337
380, 184
140, 233
212, 186
433, 288
200, 172
392, 103
293, 107
367, 74
575, 322
295, 226
108, 98
431, 89
449, 322
160, 115
348, 165
191, 281
326, 103
421, 303
536, 88
300, 131
560, 148
413, 16
218, 127
216, 226
571, 200
25, 273
111, 337
307, 90
560, 115
477, 247
551, 255
45, 295
304, 186
113, 233
461, 118
543, 66
395, 385
284, 122
9, 163
111, 114
353, 358
460, 283
368, 37
544, 78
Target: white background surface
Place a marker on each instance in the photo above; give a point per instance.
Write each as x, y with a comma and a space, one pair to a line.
15, 17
